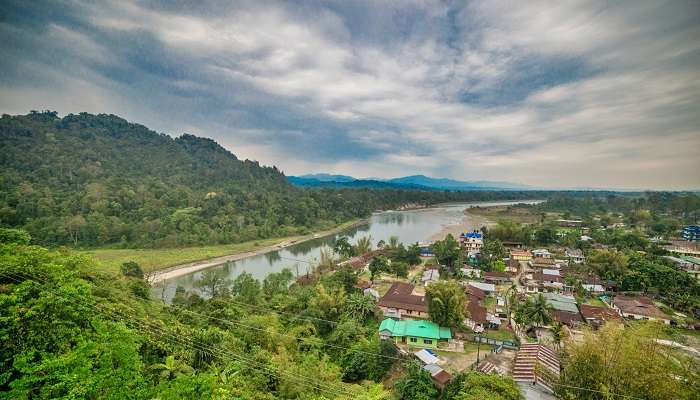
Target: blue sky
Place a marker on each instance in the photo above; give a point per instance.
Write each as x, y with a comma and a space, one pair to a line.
551, 94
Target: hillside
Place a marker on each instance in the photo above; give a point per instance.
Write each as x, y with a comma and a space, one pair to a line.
92, 180
413, 182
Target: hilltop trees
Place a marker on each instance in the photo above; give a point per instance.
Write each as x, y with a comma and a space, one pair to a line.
447, 250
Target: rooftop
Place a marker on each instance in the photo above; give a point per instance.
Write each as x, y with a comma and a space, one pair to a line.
599, 313
415, 328
400, 295
638, 305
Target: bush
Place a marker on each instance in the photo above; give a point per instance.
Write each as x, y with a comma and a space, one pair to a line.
14, 236
132, 269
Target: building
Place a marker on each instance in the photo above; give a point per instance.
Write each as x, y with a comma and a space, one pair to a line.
512, 245
414, 333
568, 318
371, 292
691, 233
521, 255
497, 277
426, 249
486, 287
542, 262
597, 316
429, 276
571, 223
426, 356
472, 241
474, 291
561, 303
439, 375
639, 307
575, 255
549, 280
400, 302
512, 266
479, 318
541, 253
469, 272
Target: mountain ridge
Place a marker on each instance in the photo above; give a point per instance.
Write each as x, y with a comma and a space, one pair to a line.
415, 182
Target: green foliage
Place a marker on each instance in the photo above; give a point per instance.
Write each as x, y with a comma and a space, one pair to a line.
446, 303
131, 269
627, 361
94, 180
378, 265
368, 360
343, 247
447, 250
14, 236
415, 384
493, 251
213, 283
478, 386
359, 306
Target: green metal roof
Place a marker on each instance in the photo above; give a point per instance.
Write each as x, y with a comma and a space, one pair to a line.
690, 259
417, 328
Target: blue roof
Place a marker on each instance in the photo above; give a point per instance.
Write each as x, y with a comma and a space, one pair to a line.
472, 235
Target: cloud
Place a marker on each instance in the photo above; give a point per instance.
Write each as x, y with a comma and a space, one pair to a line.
577, 93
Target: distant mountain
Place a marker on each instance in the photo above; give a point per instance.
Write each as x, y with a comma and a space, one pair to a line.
413, 182
328, 177
451, 184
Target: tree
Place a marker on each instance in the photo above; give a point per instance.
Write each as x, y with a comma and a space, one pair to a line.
172, 368
498, 266
246, 288
363, 245
378, 265
413, 254
393, 242
415, 384
359, 306
277, 282
343, 247
213, 283
608, 264
557, 334
16, 236
368, 359
627, 362
446, 250
538, 311
546, 235
132, 269
446, 303
478, 386
400, 269
493, 250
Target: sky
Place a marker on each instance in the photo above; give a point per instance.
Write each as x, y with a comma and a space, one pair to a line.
550, 94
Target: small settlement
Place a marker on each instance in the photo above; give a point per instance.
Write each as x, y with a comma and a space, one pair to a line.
491, 338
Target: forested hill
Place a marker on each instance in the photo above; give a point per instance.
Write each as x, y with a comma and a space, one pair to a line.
91, 180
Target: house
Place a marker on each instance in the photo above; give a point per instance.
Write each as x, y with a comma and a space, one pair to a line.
469, 272
545, 281
575, 255
513, 266
513, 245
426, 357
585, 238
479, 318
679, 262
414, 333
472, 241
439, 375
691, 233
521, 255
429, 276
400, 302
542, 262
597, 316
593, 288
531, 360
571, 223
474, 291
486, 287
568, 318
541, 253
561, 303
497, 277
639, 307
426, 249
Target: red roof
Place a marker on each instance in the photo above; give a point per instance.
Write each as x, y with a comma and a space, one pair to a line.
639, 305
566, 317
476, 292
400, 295
599, 313
477, 312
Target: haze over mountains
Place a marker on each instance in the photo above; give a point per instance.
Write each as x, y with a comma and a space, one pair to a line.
420, 182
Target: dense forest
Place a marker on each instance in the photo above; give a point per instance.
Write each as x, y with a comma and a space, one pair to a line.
93, 180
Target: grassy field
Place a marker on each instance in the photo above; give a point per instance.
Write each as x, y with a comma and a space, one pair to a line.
519, 213
155, 259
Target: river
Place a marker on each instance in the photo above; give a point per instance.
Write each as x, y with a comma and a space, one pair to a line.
409, 226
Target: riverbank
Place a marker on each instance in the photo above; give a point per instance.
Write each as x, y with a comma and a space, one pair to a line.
468, 223
163, 260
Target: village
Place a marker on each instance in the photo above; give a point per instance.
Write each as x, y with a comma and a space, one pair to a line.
518, 304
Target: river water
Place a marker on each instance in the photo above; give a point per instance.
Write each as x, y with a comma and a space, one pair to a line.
409, 226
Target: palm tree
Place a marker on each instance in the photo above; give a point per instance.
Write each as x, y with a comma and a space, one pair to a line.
393, 242
557, 334
172, 368
538, 311
363, 245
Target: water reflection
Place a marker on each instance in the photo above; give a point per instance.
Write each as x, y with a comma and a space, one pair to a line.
409, 226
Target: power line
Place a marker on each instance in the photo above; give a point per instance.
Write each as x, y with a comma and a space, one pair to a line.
193, 344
